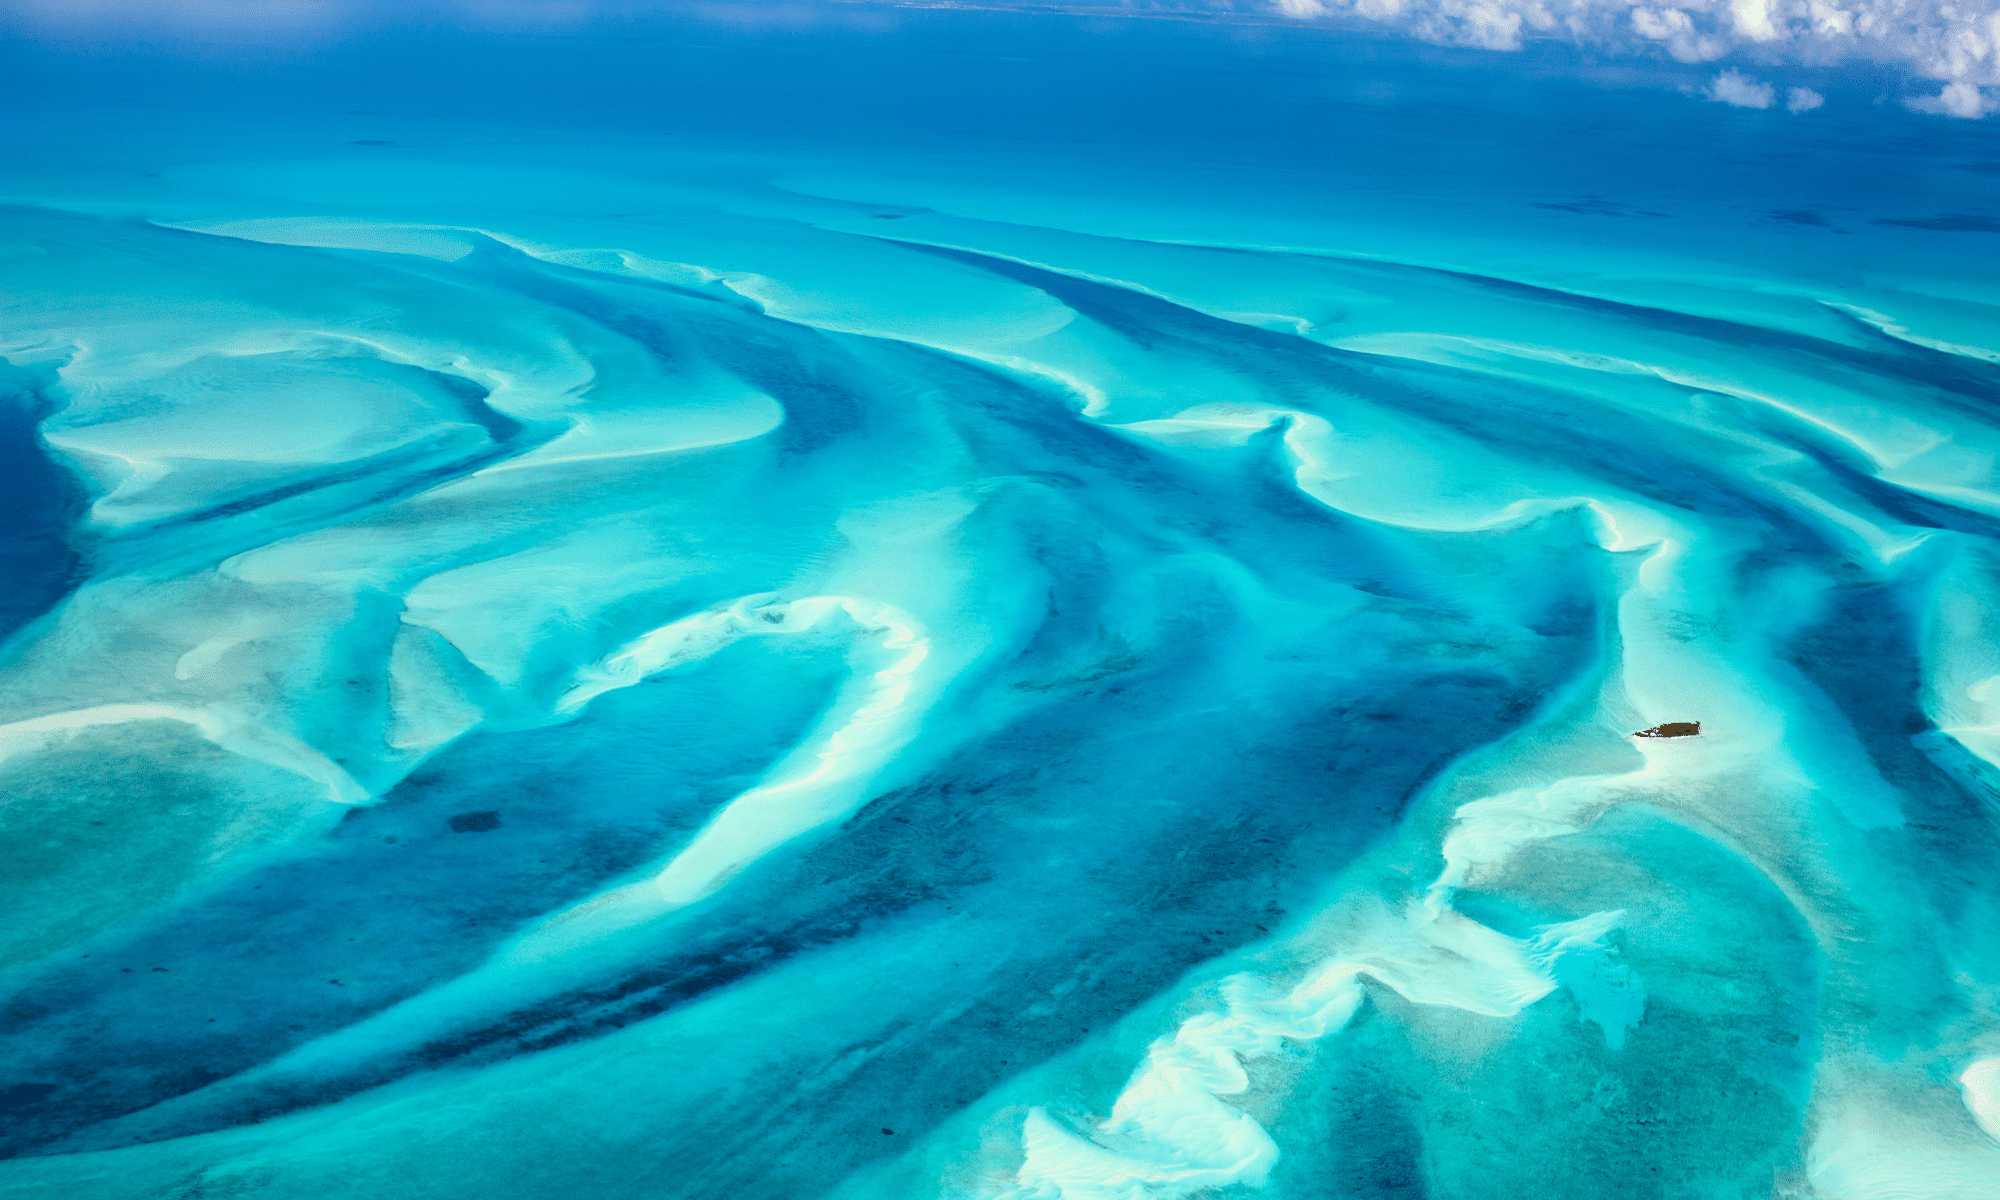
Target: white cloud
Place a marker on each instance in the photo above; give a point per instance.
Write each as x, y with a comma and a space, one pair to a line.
1958, 99
1753, 20
1741, 91
1488, 24
1953, 43
1677, 30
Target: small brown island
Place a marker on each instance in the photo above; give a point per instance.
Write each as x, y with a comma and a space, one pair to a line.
1672, 729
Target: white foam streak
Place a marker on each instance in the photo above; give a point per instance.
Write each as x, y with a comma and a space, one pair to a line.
219, 723
1489, 831
1962, 668
1172, 1133
821, 784
1981, 1085
1360, 469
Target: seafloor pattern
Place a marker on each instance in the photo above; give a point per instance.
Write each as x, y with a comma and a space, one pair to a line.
633, 672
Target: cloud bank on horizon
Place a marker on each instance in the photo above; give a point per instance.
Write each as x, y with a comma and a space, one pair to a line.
1950, 45
1953, 44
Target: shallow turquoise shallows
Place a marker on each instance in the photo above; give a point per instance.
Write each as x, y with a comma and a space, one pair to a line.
849, 603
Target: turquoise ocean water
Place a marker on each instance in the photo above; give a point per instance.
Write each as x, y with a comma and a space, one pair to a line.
885, 603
